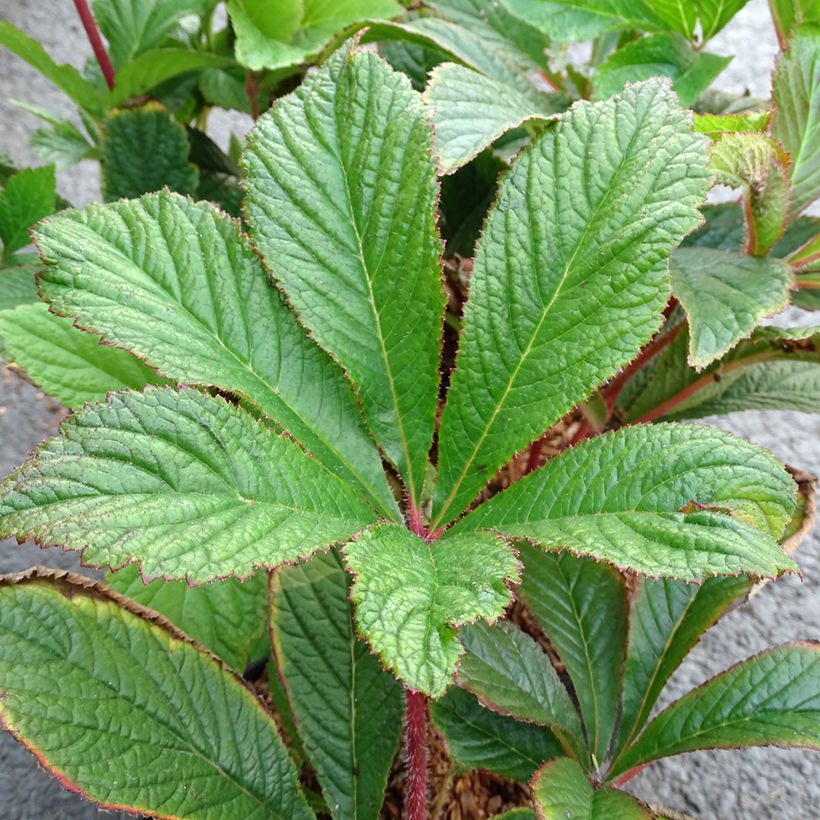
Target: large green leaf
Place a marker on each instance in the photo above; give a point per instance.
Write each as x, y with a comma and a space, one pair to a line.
67, 363
134, 26
144, 150
570, 276
507, 670
660, 55
671, 500
228, 617
482, 738
65, 77
796, 122
341, 199
411, 596
771, 699
18, 285
470, 111
182, 482
128, 711
26, 197
562, 792
725, 295
348, 709
178, 284
666, 619
789, 14
582, 607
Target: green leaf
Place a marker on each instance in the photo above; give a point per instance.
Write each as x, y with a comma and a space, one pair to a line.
65, 362
228, 617
582, 607
481, 738
665, 55
561, 791
666, 619
411, 596
755, 163
789, 14
124, 272
507, 670
626, 497
182, 482
129, 712
341, 200
724, 296
770, 699
147, 71
348, 709
135, 26
18, 285
63, 145
566, 284
716, 125
144, 150
796, 121
471, 111
64, 76
27, 197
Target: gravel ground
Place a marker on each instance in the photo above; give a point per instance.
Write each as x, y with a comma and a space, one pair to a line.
761, 784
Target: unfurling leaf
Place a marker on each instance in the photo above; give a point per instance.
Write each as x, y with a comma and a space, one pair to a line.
341, 199
670, 500
182, 482
570, 276
411, 596
113, 700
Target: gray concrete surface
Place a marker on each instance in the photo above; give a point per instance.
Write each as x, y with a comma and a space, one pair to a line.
761, 784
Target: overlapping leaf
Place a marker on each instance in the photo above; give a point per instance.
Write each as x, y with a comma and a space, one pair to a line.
411, 596
341, 198
771, 699
182, 482
570, 276
581, 605
179, 285
25, 198
348, 709
668, 500
113, 701
725, 295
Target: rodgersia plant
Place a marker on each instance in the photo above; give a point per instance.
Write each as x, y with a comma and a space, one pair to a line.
292, 428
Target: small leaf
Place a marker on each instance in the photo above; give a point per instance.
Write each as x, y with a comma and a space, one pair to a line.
26, 197
660, 55
716, 125
182, 482
179, 285
666, 620
755, 163
724, 296
63, 145
567, 283
145, 149
228, 617
471, 111
111, 699
770, 699
481, 738
507, 670
348, 709
627, 497
796, 121
67, 363
581, 605
64, 76
341, 199
562, 791
411, 596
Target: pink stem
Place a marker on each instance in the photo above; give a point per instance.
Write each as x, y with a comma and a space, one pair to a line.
415, 739
93, 34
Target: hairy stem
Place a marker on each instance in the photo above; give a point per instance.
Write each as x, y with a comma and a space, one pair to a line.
415, 739
93, 34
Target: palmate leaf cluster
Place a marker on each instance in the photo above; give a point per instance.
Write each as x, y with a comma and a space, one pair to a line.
288, 442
